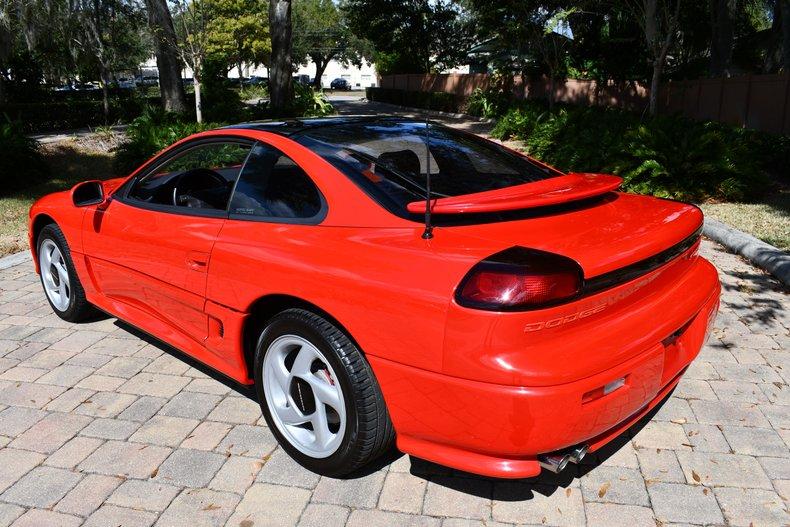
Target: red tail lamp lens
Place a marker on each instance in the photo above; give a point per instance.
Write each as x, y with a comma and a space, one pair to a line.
520, 278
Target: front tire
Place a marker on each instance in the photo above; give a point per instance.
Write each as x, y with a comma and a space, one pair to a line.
62, 286
318, 394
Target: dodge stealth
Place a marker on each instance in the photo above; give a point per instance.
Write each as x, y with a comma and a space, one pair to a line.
383, 281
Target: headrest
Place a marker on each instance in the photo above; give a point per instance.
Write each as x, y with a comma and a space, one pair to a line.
401, 160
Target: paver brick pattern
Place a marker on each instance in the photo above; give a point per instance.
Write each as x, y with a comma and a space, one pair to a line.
101, 427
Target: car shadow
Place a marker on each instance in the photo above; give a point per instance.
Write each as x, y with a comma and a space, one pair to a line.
242, 389
524, 489
545, 484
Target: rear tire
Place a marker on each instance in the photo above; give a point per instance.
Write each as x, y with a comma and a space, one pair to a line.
62, 286
318, 394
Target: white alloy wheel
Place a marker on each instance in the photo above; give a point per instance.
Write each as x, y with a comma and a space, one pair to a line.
54, 275
304, 396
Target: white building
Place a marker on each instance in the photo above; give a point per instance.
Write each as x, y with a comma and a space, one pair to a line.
360, 78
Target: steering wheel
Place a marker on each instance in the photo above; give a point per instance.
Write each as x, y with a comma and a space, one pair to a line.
195, 180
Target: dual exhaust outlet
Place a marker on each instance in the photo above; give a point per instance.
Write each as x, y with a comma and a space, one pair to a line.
557, 461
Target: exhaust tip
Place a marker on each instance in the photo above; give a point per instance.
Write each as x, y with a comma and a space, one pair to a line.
557, 461
578, 453
554, 462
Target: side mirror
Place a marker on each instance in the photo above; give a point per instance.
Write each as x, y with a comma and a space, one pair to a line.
89, 193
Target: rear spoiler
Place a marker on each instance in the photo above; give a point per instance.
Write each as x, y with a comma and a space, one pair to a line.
551, 191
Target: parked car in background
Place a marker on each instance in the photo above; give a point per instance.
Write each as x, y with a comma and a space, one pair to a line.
126, 84
147, 80
188, 81
86, 86
383, 279
257, 81
340, 84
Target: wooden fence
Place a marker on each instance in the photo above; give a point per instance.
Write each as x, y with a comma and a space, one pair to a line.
761, 102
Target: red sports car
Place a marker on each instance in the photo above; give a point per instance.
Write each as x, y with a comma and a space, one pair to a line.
384, 280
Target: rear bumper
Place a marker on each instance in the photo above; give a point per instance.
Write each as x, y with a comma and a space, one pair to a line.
498, 430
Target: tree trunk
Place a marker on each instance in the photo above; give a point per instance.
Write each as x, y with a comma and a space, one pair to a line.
655, 82
721, 37
105, 96
198, 101
320, 67
2, 89
657, 43
281, 71
551, 91
785, 12
197, 77
167, 58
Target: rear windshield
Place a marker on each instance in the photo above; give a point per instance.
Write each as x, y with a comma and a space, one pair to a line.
389, 160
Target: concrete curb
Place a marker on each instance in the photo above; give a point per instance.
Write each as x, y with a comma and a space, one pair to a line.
14, 259
761, 254
435, 113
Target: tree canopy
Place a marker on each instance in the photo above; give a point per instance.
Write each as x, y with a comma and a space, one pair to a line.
632, 40
413, 36
238, 32
321, 34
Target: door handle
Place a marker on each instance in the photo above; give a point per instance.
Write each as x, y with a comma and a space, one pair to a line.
197, 261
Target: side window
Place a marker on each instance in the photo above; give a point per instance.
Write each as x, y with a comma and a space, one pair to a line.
273, 186
200, 178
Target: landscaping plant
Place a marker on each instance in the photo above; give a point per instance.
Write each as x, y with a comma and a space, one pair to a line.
488, 103
674, 158
666, 156
20, 164
310, 103
153, 131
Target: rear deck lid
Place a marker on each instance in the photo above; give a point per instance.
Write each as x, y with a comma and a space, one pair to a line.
603, 235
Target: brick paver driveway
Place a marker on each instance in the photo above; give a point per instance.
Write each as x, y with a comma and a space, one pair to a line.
101, 425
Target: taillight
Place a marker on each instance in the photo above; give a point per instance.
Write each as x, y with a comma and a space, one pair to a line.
520, 279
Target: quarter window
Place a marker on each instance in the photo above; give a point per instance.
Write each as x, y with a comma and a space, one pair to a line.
272, 185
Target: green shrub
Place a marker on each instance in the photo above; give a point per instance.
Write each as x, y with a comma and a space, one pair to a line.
66, 114
489, 103
307, 102
310, 103
20, 163
253, 92
152, 132
220, 101
675, 158
520, 121
665, 156
582, 139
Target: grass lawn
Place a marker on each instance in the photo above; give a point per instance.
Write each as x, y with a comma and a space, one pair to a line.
70, 162
768, 220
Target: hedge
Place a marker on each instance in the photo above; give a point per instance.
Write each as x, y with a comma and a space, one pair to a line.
444, 102
35, 117
666, 156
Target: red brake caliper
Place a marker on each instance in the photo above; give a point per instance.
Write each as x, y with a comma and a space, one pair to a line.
328, 377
